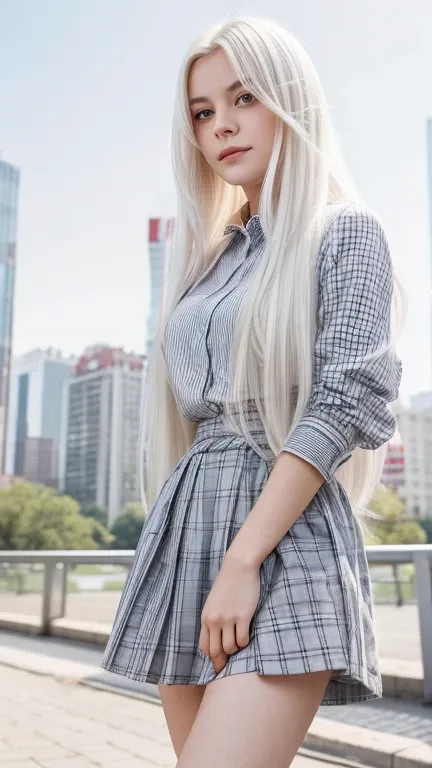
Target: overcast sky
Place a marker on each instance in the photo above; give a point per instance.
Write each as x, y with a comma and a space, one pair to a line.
86, 92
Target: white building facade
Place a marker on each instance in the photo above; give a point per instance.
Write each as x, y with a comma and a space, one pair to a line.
38, 381
101, 429
415, 426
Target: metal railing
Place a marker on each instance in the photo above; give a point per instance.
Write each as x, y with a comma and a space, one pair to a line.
420, 555
55, 564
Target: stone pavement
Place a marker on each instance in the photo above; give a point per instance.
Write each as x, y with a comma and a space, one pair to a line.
48, 723
65, 660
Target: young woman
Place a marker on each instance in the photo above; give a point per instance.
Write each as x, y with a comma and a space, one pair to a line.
267, 415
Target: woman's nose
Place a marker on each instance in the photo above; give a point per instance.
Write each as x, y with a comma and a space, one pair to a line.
224, 125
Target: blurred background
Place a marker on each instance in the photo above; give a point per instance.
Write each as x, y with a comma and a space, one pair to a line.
87, 211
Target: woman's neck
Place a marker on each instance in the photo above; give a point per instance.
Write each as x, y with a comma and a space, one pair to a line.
253, 197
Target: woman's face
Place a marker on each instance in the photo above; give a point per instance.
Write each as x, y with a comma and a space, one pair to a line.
225, 116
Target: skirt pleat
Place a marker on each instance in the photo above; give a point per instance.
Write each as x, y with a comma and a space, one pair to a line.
314, 611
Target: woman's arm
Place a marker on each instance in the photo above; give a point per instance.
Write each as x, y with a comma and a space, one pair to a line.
348, 406
291, 486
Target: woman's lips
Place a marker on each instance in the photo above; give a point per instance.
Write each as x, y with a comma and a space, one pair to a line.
234, 156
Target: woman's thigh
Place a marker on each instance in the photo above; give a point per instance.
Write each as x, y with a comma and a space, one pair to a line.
180, 704
253, 721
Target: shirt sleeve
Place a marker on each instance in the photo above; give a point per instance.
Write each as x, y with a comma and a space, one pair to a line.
348, 406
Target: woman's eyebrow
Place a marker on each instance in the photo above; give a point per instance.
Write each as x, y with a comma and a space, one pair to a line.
232, 87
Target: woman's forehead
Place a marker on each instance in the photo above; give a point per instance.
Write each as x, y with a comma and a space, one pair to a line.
209, 74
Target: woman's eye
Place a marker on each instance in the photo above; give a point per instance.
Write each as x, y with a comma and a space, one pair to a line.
202, 115
248, 96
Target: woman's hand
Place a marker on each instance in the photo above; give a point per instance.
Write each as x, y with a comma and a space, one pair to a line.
228, 610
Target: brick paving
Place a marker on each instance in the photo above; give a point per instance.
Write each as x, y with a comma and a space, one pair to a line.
45, 723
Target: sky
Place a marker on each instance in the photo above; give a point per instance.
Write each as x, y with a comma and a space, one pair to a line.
86, 96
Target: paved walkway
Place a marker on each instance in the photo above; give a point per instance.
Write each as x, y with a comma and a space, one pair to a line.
397, 628
45, 723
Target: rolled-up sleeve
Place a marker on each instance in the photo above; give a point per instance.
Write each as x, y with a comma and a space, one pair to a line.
349, 402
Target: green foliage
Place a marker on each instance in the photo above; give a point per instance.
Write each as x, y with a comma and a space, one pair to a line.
128, 526
34, 516
426, 524
102, 538
393, 525
113, 586
134, 507
21, 580
96, 511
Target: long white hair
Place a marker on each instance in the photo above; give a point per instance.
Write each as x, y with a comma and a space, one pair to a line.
272, 356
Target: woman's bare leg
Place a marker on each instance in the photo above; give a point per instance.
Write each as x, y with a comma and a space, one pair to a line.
180, 704
252, 721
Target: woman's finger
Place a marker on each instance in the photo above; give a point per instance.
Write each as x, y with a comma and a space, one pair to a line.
204, 640
217, 653
242, 632
229, 644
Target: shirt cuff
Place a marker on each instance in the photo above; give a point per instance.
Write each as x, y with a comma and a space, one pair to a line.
319, 443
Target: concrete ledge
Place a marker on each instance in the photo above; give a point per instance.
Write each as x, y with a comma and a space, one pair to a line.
401, 679
19, 622
85, 631
40, 664
367, 747
414, 756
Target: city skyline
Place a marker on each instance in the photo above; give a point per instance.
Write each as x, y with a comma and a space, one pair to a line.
96, 163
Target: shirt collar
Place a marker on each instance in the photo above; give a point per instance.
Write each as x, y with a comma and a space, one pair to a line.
242, 221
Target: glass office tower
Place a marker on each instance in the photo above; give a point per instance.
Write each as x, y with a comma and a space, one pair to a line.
9, 184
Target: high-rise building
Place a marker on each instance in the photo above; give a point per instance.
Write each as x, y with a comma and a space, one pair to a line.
160, 243
101, 429
38, 381
393, 475
415, 426
9, 185
421, 401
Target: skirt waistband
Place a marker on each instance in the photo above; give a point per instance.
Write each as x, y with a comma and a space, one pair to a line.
215, 426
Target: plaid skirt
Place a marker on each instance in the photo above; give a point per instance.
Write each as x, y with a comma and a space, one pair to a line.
314, 611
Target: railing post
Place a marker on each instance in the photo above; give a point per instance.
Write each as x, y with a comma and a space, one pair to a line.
63, 591
47, 597
398, 585
424, 602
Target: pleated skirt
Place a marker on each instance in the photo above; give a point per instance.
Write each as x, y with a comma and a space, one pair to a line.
314, 611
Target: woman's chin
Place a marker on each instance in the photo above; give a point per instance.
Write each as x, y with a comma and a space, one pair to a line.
237, 177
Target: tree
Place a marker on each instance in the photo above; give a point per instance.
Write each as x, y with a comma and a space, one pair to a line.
33, 516
426, 524
393, 526
128, 526
102, 538
96, 511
